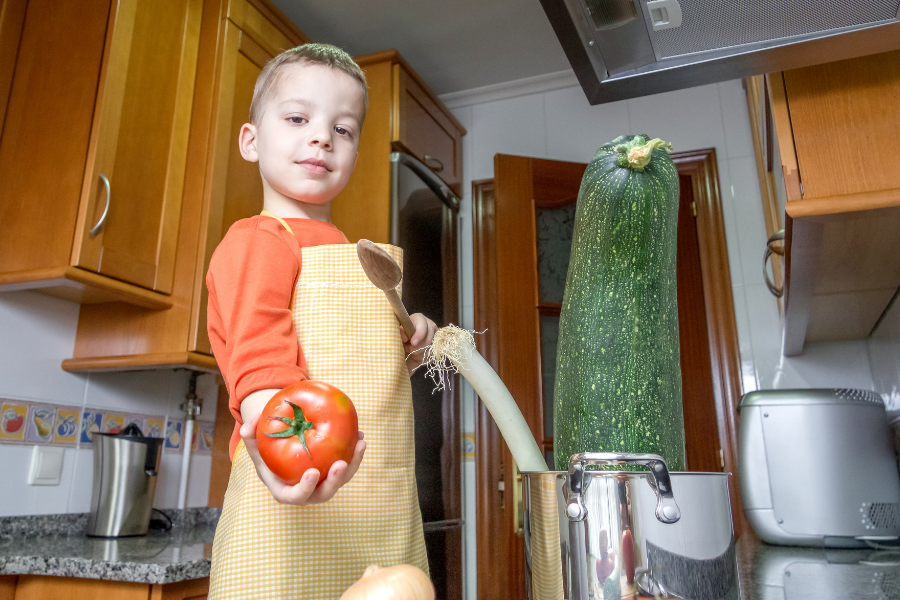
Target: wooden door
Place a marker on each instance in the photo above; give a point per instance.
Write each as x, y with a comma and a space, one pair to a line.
234, 187
139, 143
523, 228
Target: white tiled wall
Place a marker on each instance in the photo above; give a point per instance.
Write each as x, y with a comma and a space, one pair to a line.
561, 125
38, 332
884, 354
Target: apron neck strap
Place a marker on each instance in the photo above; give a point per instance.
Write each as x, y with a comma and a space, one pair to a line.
266, 213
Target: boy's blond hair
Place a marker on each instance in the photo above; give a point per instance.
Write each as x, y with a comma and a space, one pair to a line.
310, 54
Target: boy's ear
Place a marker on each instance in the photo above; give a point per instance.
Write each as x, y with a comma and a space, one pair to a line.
247, 142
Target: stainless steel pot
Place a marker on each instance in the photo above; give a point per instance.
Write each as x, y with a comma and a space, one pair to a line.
601, 535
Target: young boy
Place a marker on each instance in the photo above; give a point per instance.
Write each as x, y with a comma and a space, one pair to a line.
288, 301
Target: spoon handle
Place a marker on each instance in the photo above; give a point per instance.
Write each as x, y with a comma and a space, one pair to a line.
400, 310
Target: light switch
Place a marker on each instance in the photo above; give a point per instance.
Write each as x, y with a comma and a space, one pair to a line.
46, 465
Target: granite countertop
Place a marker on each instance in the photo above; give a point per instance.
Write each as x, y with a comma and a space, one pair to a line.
791, 573
56, 545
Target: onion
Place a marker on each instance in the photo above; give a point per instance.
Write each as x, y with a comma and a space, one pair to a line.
400, 582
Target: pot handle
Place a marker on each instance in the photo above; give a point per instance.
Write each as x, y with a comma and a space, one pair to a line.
666, 509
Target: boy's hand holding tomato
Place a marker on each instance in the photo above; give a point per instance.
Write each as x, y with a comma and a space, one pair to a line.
306, 429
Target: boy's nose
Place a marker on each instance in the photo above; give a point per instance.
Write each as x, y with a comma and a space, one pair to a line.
321, 139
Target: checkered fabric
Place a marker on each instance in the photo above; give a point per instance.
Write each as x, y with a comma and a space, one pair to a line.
351, 339
546, 566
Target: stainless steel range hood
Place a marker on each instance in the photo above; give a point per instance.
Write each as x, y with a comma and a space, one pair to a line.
627, 48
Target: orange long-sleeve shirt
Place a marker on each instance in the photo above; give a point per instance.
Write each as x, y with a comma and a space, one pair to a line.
251, 281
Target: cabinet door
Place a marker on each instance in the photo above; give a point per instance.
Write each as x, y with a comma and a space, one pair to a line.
423, 130
128, 229
56, 55
12, 17
236, 188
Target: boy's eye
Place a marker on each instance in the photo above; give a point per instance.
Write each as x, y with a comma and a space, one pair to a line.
297, 120
341, 131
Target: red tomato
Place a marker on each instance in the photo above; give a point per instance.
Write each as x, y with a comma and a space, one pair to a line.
13, 425
307, 425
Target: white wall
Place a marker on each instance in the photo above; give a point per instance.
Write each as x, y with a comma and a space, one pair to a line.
38, 332
545, 119
884, 354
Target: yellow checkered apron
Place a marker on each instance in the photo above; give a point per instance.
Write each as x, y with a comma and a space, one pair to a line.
351, 339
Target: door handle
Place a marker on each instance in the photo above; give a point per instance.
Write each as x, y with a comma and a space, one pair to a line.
771, 249
433, 163
96, 228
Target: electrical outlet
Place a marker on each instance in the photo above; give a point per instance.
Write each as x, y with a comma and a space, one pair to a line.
46, 465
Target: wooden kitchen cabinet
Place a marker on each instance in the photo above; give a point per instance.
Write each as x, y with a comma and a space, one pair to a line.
836, 128
39, 587
237, 38
403, 116
93, 147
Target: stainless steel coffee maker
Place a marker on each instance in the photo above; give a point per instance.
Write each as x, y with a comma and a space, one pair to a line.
126, 465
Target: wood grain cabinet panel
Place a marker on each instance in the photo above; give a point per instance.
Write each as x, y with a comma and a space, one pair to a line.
40, 587
405, 116
99, 88
219, 188
836, 128
422, 128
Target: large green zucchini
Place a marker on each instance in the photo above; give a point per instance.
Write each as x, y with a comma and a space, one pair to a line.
618, 374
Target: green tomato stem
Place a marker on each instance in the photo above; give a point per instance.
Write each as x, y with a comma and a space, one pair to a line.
297, 426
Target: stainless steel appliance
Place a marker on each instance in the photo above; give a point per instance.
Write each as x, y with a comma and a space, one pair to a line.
125, 470
783, 573
424, 222
616, 534
817, 467
626, 48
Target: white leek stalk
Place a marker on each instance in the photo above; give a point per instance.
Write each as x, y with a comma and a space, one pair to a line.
456, 346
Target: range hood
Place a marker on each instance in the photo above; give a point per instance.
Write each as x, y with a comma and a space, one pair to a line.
627, 48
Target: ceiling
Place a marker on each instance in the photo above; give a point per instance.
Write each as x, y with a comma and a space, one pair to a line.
453, 45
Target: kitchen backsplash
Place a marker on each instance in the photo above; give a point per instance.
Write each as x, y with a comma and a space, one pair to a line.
63, 409
37, 423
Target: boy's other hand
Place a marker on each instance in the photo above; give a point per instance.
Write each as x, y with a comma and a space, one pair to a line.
425, 330
306, 491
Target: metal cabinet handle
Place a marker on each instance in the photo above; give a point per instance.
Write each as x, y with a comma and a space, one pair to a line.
431, 159
96, 228
778, 236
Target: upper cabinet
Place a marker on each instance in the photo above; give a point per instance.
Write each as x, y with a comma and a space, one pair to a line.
236, 39
403, 116
835, 131
93, 146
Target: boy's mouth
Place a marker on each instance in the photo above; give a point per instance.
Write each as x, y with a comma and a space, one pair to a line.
314, 165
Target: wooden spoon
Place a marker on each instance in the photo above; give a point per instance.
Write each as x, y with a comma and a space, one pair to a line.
385, 273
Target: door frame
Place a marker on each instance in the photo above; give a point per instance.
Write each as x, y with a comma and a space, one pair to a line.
500, 550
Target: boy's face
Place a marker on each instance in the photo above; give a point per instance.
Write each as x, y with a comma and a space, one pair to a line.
307, 138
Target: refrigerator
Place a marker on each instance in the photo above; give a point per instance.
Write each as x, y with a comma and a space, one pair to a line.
424, 223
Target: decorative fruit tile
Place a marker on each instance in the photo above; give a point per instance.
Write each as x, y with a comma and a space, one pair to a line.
204, 440
174, 436
39, 428
90, 424
112, 423
39, 423
139, 420
155, 427
65, 429
13, 416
